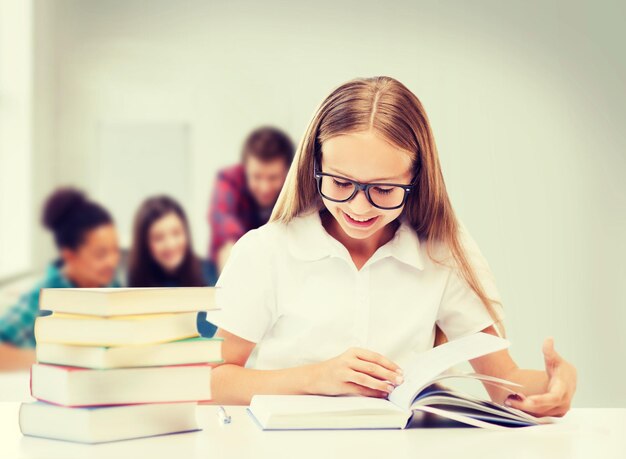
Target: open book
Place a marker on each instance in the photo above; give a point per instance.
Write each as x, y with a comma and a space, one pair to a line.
421, 400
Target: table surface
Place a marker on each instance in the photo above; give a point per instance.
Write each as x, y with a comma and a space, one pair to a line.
581, 433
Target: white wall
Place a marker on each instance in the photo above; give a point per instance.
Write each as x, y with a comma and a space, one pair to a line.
45, 171
16, 70
526, 100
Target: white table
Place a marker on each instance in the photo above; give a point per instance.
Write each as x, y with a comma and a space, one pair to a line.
15, 387
583, 433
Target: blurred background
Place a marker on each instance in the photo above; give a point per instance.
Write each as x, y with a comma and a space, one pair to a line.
128, 98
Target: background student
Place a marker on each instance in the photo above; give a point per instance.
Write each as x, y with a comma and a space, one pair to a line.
245, 193
162, 252
87, 242
363, 262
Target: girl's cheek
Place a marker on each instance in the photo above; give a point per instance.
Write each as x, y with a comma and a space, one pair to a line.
332, 208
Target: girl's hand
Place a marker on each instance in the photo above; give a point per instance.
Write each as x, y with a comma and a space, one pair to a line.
355, 372
561, 387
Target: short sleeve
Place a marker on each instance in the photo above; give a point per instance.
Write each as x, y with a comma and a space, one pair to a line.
17, 325
461, 311
245, 289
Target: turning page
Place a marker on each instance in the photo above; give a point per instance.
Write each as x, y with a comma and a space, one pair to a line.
422, 370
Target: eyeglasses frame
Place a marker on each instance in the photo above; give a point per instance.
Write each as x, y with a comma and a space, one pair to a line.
318, 174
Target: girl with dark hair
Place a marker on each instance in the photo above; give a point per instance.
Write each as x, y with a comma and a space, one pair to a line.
86, 239
162, 252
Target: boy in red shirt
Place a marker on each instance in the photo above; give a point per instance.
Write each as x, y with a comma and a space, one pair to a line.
245, 193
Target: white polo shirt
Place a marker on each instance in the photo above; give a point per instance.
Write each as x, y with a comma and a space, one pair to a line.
294, 290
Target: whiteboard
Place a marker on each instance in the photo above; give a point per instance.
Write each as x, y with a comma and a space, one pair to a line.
137, 160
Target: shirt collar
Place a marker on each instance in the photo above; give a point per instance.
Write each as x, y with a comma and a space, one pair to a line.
307, 239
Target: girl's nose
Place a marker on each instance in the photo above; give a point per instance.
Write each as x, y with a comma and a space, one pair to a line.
359, 203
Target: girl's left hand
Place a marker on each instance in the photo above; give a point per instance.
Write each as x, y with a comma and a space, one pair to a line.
561, 387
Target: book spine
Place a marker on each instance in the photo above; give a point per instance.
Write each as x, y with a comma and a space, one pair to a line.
122, 404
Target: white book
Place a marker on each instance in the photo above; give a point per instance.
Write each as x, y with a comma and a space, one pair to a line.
127, 301
73, 386
108, 423
186, 351
421, 395
116, 330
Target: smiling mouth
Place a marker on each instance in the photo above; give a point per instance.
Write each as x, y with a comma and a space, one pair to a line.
359, 222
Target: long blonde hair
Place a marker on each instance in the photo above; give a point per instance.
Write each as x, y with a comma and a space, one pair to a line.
386, 106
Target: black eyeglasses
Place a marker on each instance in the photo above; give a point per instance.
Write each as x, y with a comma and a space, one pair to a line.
385, 196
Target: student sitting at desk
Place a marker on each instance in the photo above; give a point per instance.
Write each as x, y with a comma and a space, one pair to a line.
162, 252
361, 264
89, 254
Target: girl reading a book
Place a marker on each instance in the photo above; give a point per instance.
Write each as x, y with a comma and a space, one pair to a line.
86, 238
363, 264
162, 252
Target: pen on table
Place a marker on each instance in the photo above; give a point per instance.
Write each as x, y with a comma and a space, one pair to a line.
222, 416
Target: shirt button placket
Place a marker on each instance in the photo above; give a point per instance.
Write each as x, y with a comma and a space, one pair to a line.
362, 311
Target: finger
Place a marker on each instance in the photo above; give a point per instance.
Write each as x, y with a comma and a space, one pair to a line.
353, 388
377, 371
522, 405
556, 394
549, 400
536, 404
365, 380
371, 356
549, 352
539, 411
557, 386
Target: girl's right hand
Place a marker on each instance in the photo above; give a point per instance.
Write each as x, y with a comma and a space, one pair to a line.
357, 371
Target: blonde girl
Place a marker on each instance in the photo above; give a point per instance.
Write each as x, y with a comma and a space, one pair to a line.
362, 265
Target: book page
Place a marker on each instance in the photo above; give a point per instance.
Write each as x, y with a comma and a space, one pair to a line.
428, 365
460, 418
486, 379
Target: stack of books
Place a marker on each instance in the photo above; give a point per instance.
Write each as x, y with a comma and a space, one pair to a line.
115, 364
